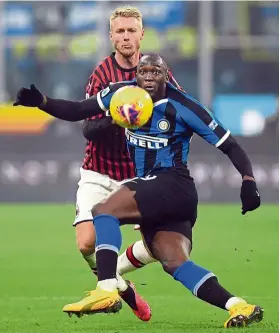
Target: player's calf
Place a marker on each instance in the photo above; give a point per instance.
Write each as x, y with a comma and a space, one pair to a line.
85, 239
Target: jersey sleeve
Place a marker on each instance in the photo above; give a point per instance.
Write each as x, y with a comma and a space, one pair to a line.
202, 122
104, 96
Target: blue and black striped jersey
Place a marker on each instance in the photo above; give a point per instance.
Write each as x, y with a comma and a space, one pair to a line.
165, 139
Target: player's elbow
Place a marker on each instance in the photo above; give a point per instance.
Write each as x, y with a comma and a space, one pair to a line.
86, 130
230, 144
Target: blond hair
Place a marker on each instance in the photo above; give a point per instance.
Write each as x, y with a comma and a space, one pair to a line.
126, 11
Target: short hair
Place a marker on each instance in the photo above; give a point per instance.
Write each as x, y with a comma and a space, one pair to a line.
126, 11
153, 57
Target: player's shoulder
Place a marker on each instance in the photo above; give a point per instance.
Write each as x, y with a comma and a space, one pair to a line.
104, 62
100, 65
176, 96
102, 70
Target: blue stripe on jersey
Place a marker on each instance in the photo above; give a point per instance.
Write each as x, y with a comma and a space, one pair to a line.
196, 123
160, 154
186, 148
205, 108
139, 161
164, 158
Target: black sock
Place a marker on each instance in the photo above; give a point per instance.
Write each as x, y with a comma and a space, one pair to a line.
212, 292
106, 262
129, 297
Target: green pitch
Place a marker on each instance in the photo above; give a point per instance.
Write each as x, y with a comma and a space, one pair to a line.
41, 271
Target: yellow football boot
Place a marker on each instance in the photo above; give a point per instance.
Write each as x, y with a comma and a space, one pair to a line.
97, 301
243, 314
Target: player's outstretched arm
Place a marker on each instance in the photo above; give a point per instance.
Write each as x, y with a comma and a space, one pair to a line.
202, 122
58, 108
249, 195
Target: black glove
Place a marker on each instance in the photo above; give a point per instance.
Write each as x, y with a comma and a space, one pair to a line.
29, 97
250, 196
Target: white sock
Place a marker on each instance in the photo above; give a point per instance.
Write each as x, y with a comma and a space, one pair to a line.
122, 285
135, 256
108, 285
233, 301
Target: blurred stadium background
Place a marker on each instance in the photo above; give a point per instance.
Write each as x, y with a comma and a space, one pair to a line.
225, 53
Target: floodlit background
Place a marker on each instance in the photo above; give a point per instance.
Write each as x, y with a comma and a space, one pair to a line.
224, 53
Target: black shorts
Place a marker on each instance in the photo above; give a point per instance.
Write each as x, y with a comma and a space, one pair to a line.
165, 196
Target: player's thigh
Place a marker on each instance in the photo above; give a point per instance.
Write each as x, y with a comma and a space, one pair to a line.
89, 195
168, 195
121, 204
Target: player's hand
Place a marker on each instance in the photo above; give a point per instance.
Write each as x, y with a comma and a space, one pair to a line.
29, 97
250, 196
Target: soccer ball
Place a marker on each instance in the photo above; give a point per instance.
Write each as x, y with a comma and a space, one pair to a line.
131, 107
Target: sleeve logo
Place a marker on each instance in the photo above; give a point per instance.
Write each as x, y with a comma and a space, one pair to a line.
213, 125
105, 92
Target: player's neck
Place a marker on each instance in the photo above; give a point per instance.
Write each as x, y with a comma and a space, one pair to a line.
126, 62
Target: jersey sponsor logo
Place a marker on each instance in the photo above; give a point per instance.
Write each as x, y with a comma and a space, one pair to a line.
163, 125
145, 141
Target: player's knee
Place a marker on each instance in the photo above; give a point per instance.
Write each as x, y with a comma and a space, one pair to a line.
170, 265
85, 238
85, 248
101, 208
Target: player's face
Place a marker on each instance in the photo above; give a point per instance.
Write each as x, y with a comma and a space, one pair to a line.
126, 34
152, 78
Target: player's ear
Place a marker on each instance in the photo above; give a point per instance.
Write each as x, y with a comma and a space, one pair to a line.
142, 34
167, 77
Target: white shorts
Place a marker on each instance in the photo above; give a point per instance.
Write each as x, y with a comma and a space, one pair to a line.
93, 189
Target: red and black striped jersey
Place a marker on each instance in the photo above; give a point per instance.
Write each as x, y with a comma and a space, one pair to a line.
110, 157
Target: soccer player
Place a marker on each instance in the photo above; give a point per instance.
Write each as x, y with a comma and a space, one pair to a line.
107, 162
164, 183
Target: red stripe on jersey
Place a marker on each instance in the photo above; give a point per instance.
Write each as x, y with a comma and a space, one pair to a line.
103, 79
119, 75
107, 72
113, 77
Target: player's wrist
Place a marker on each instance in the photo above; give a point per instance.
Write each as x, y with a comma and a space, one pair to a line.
248, 178
44, 102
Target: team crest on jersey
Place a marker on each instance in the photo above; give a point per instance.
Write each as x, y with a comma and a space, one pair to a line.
163, 125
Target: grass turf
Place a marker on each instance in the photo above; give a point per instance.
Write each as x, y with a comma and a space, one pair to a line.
41, 271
